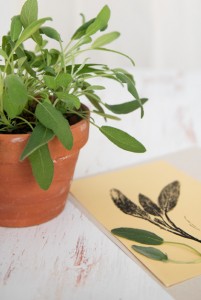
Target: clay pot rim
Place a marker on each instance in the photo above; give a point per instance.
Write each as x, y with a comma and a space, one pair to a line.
73, 127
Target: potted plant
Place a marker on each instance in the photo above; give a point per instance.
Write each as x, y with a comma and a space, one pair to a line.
43, 123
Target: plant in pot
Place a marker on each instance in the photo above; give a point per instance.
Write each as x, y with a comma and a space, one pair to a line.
43, 123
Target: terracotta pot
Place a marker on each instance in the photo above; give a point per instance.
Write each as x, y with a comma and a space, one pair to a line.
22, 201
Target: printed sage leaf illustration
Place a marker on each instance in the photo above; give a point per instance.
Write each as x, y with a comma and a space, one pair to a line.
151, 212
169, 196
149, 238
149, 206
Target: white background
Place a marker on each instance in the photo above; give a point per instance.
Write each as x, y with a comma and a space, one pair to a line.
157, 34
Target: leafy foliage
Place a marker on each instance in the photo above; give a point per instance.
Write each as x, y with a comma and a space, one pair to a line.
41, 88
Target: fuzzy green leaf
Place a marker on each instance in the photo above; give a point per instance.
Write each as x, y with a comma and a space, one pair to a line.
82, 30
29, 12
16, 28
138, 235
106, 116
94, 88
42, 166
50, 82
39, 137
105, 39
127, 107
71, 101
63, 80
122, 139
151, 252
51, 33
53, 119
100, 22
30, 30
15, 96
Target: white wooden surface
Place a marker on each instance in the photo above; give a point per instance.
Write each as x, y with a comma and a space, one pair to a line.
69, 257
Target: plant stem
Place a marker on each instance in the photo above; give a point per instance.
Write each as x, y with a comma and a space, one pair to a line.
183, 245
183, 233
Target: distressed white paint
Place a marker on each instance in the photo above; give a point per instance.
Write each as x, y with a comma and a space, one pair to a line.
17, 140
69, 257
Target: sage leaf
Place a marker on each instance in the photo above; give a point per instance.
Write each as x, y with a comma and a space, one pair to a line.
130, 84
149, 206
63, 80
138, 235
151, 252
29, 31
50, 82
100, 22
29, 12
127, 107
16, 28
21, 54
106, 116
42, 166
94, 99
122, 139
53, 119
71, 101
169, 196
51, 33
39, 137
3, 54
94, 87
15, 95
105, 39
81, 31
28, 15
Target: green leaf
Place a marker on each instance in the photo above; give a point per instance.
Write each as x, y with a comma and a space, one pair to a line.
51, 33
122, 139
138, 235
16, 28
39, 137
82, 30
127, 107
53, 119
3, 54
50, 82
130, 84
15, 96
94, 99
106, 116
105, 39
94, 88
151, 252
42, 166
71, 101
100, 22
29, 12
30, 30
131, 88
63, 80
21, 54
21, 62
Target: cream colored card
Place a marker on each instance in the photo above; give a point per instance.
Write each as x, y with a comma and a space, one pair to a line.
169, 206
